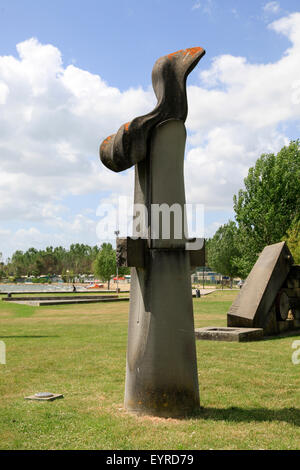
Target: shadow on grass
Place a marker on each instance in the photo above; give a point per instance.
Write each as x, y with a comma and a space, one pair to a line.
247, 415
30, 336
287, 334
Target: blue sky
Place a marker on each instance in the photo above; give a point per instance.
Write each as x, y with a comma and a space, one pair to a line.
121, 40
71, 72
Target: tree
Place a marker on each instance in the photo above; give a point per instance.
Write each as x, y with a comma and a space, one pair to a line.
223, 251
78, 259
266, 208
2, 271
293, 240
18, 263
105, 264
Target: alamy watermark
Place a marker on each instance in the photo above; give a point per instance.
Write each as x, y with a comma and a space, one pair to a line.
296, 354
2, 352
159, 222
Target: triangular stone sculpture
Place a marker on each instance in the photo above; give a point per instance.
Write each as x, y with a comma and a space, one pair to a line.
270, 297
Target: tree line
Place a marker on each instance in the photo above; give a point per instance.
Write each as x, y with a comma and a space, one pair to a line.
267, 211
79, 259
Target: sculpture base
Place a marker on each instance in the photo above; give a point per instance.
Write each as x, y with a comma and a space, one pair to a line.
161, 374
166, 404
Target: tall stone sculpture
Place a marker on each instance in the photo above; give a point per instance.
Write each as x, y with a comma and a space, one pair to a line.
161, 371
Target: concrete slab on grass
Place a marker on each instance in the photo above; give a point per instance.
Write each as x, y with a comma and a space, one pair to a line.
215, 333
51, 397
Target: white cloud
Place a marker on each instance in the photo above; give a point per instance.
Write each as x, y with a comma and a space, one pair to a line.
272, 7
206, 6
53, 118
237, 114
56, 232
3, 93
52, 121
4, 232
196, 6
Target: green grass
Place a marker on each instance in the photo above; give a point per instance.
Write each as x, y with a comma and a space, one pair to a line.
249, 392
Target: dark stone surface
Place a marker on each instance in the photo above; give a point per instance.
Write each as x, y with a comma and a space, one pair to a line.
130, 144
161, 369
131, 252
293, 279
197, 257
252, 306
270, 297
282, 306
161, 366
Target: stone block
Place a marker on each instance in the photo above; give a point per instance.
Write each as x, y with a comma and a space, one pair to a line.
253, 304
197, 257
285, 325
215, 333
131, 252
293, 279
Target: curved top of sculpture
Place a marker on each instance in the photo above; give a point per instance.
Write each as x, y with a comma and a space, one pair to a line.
129, 145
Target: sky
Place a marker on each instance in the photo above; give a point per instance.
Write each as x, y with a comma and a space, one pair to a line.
72, 72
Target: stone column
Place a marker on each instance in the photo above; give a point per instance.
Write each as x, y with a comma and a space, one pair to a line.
161, 371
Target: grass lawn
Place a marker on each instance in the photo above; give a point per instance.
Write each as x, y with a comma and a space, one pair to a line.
250, 393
